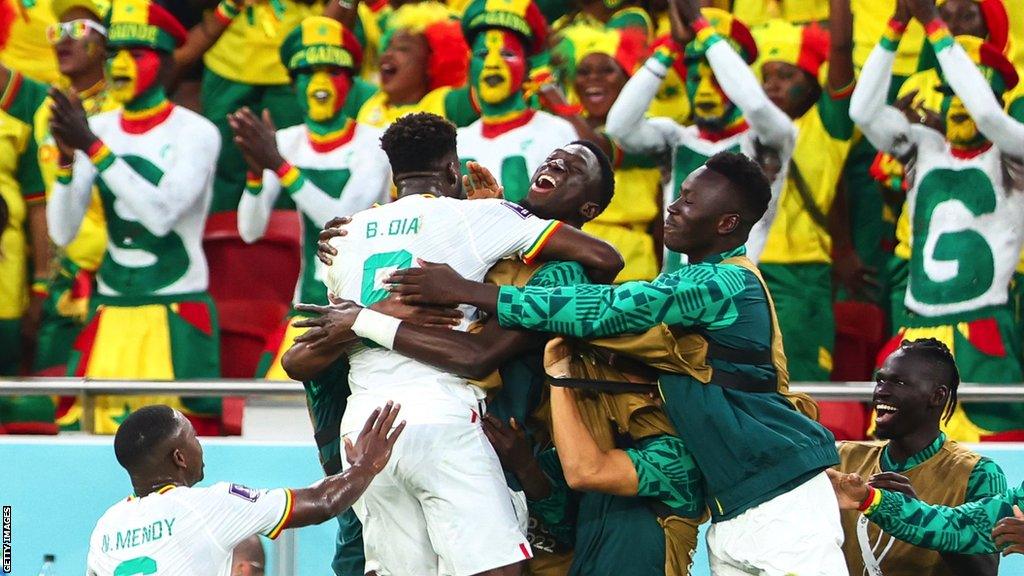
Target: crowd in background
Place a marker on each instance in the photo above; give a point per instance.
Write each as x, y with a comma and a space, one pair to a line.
858, 254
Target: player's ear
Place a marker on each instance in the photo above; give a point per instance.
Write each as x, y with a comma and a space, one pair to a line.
179, 458
590, 210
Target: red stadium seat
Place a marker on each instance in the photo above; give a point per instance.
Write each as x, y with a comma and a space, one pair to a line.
860, 333
265, 270
244, 327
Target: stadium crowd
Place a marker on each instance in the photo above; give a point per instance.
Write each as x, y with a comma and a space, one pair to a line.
185, 190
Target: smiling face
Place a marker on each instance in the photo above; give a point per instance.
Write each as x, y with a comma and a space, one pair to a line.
566, 186
131, 72
712, 109
498, 67
964, 17
599, 79
322, 91
704, 210
789, 88
403, 68
76, 56
907, 396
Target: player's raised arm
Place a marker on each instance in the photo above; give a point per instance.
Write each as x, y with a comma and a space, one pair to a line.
367, 457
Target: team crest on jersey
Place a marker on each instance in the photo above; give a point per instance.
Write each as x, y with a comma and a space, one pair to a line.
243, 492
522, 212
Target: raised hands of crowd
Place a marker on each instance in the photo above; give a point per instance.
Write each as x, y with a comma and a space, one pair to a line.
69, 125
256, 138
681, 13
924, 11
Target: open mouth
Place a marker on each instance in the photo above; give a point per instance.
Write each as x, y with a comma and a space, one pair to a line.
387, 71
885, 412
544, 183
321, 96
595, 95
120, 82
493, 80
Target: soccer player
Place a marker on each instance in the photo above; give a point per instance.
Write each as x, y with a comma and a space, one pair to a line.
169, 526
510, 139
779, 477
153, 163
915, 390
731, 110
436, 498
986, 526
328, 165
964, 247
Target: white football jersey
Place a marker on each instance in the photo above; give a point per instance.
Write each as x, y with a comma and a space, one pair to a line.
184, 531
468, 235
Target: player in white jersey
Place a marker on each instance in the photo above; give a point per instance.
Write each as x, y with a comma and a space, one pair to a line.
966, 205
171, 527
442, 507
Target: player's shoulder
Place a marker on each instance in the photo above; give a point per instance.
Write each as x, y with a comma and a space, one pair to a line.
850, 450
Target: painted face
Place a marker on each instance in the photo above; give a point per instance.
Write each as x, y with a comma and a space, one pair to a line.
322, 92
77, 43
711, 107
960, 127
498, 67
964, 17
131, 72
403, 68
789, 87
599, 79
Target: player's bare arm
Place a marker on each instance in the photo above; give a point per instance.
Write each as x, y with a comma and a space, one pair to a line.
368, 456
516, 455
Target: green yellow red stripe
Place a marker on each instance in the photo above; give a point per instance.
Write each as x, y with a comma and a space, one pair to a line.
531, 254
938, 34
285, 517
10, 91
100, 156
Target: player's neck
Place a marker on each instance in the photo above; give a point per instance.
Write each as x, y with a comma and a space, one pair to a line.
697, 256
420, 183
902, 448
146, 486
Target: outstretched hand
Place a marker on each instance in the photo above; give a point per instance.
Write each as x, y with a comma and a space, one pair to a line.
1009, 533
850, 489
335, 228
480, 183
431, 283
893, 482
372, 449
330, 326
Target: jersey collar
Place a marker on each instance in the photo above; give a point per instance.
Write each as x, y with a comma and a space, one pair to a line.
932, 449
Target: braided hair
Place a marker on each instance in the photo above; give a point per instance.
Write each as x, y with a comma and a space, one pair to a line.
935, 352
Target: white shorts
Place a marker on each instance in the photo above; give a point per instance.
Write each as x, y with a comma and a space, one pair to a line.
798, 532
441, 506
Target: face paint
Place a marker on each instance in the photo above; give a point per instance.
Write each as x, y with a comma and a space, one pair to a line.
132, 72
322, 93
960, 127
711, 107
498, 67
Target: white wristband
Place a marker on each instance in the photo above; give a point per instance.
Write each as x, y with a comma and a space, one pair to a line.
378, 327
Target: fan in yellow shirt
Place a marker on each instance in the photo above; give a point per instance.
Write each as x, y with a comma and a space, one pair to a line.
27, 50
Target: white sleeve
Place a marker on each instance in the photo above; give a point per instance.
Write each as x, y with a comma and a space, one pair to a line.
67, 204
235, 512
366, 186
966, 80
772, 126
884, 126
498, 229
254, 209
627, 123
188, 174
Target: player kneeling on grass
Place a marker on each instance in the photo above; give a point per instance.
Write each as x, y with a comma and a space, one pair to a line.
169, 527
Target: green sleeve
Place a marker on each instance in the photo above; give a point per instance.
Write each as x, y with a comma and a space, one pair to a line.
666, 471
834, 110
22, 97
966, 529
458, 107
1016, 109
30, 177
326, 398
986, 480
699, 295
556, 274
556, 511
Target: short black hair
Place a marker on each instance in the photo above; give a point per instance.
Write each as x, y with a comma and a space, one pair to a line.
607, 172
419, 142
141, 432
755, 191
936, 353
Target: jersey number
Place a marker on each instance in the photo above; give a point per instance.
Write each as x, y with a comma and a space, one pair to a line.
374, 266
141, 565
